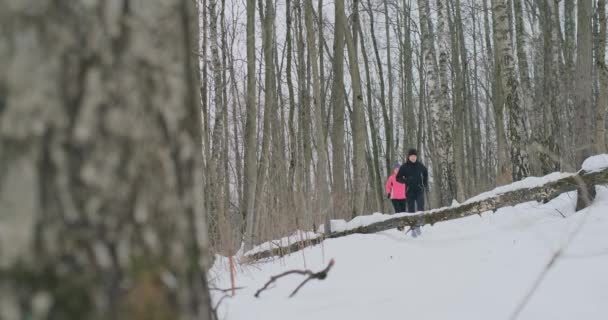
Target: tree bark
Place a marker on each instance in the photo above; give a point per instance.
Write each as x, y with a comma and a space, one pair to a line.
358, 118
101, 182
322, 174
250, 136
408, 109
522, 58
386, 111
304, 118
602, 103
293, 155
215, 181
505, 171
389, 71
463, 125
373, 131
441, 112
512, 93
477, 140
337, 137
583, 86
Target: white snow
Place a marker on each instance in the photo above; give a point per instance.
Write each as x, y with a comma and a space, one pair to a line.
470, 268
595, 163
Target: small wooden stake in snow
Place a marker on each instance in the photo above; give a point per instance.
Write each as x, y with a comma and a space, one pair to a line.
232, 274
321, 275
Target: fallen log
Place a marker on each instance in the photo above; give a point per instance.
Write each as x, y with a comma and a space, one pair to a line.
582, 181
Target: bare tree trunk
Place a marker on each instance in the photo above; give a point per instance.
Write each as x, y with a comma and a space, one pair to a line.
358, 118
228, 235
320, 28
567, 80
389, 67
204, 84
250, 136
94, 155
497, 172
215, 178
505, 171
386, 114
550, 153
373, 131
477, 141
461, 115
602, 103
282, 199
322, 175
522, 59
408, 112
441, 113
293, 155
304, 118
337, 137
583, 127
512, 93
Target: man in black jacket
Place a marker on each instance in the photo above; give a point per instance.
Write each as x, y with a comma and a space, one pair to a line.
416, 178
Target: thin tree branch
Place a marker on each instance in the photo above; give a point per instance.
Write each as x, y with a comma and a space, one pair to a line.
321, 275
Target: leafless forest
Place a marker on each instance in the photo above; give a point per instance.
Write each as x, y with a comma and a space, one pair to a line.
111, 209
307, 104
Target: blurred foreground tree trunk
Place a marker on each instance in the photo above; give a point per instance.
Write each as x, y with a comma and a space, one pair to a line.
100, 162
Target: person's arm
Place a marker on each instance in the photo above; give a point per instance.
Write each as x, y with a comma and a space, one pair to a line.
425, 176
401, 174
389, 185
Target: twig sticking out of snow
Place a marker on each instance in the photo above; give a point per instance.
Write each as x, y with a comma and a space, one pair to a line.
321, 275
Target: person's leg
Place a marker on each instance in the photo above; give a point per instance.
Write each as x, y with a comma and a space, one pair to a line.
395, 205
411, 207
420, 201
419, 207
402, 205
411, 202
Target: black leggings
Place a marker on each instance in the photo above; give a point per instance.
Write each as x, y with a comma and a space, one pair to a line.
399, 205
415, 201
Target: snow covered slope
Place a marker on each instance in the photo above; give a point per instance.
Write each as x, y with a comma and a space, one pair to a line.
471, 268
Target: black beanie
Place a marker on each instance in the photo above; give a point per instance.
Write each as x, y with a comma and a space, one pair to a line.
412, 152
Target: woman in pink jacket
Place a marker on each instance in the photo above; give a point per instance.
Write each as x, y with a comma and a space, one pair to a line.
396, 191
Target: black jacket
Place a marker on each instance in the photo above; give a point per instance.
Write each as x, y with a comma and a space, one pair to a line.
414, 175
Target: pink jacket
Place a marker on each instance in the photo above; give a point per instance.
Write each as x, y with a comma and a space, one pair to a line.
394, 188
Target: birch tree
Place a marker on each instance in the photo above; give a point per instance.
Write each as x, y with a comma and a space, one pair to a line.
101, 175
512, 93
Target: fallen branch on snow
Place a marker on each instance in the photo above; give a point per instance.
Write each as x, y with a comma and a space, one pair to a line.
583, 182
321, 275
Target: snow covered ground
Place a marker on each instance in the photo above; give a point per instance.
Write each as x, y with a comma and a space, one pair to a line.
471, 268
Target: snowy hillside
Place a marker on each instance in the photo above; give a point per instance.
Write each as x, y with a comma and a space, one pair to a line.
471, 268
